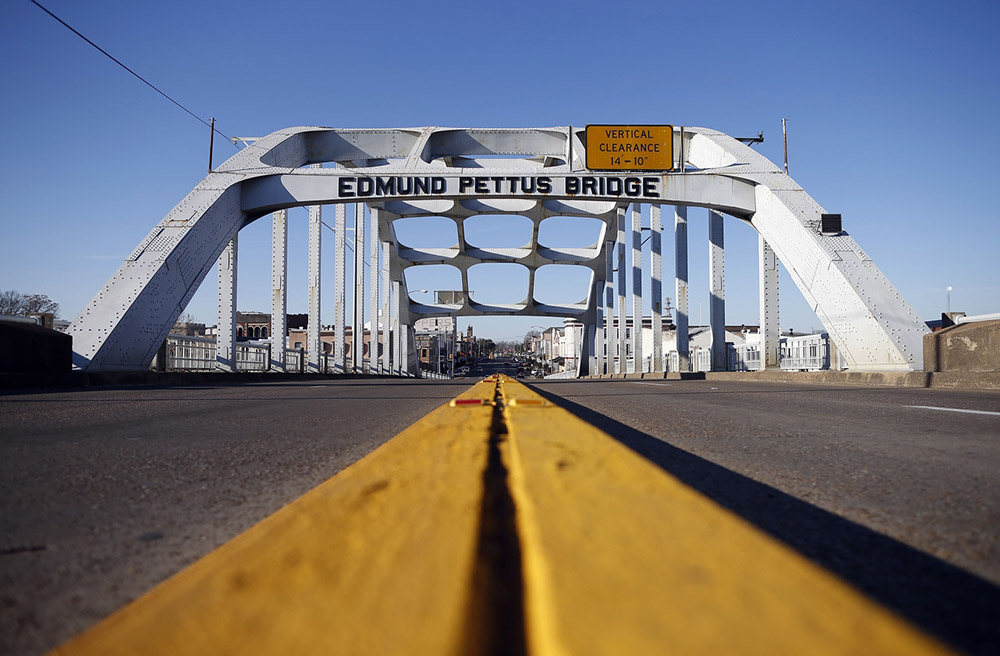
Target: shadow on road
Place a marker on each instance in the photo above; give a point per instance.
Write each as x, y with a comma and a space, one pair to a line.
960, 608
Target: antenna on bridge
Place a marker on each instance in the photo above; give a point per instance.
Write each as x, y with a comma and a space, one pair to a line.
784, 136
211, 144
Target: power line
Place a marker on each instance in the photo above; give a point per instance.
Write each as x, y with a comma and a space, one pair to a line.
141, 78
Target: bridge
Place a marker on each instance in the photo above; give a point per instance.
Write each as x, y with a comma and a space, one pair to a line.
386, 175
387, 515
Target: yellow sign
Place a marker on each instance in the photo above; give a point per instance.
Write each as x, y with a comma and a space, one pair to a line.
630, 147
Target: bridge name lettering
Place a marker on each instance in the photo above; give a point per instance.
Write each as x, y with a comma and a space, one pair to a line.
498, 185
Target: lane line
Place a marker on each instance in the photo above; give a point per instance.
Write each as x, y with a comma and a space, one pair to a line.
971, 412
636, 382
379, 559
622, 558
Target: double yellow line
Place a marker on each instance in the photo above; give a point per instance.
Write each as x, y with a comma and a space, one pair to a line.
398, 554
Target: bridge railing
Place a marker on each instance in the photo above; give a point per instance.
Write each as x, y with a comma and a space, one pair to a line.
295, 360
190, 353
253, 357
805, 353
744, 357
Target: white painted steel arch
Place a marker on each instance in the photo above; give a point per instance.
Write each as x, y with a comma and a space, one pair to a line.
122, 327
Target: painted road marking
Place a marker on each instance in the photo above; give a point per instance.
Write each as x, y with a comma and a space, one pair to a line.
616, 556
971, 412
378, 559
622, 558
635, 382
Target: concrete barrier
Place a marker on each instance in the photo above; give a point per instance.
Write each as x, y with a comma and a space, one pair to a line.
29, 348
966, 347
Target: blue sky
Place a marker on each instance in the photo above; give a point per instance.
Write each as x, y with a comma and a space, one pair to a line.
891, 113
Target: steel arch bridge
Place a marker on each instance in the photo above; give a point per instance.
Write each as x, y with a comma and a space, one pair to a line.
457, 173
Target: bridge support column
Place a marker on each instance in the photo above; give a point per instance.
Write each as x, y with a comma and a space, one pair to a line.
681, 286
397, 338
656, 285
225, 340
358, 337
621, 367
409, 353
770, 326
637, 297
279, 295
374, 273
717, 297
339, 287
600, 337
386, 363
610, 342
590, 339
314, 343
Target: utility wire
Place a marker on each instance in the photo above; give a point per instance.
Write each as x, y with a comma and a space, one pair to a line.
141, 78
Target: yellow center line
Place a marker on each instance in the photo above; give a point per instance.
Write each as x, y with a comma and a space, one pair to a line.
378, 559
622, 558
394, 555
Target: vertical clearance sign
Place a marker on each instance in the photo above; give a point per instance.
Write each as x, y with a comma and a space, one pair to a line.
630, 147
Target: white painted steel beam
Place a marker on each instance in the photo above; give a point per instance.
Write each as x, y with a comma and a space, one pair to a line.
446, 172
621, 278
385, 366
279, 289
656, 285
374, 271
314, 342
358, 338
610, 341
717, 293
681, 287
225, 340
637, 297
397, 337
600, 336
770, 326
340, 288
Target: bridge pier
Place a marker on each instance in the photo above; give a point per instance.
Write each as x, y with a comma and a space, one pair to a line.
681, 286
717, 297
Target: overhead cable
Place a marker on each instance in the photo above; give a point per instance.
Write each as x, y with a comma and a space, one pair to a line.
141, 78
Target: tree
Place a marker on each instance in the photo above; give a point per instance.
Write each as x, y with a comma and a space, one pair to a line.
13, 303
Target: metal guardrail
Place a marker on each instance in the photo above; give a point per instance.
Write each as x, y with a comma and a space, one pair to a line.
744, 357
186, 353
295, 360
253, 357
190, 353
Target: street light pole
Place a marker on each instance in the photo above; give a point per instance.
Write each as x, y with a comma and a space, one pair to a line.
948, 305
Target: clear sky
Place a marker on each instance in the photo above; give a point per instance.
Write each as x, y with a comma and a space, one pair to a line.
892, 119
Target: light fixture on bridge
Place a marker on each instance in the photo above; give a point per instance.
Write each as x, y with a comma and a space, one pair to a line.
830, 224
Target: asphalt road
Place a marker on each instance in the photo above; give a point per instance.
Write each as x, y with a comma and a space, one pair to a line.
107, 492
902, 501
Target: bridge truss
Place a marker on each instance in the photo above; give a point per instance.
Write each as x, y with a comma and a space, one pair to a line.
384, 175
